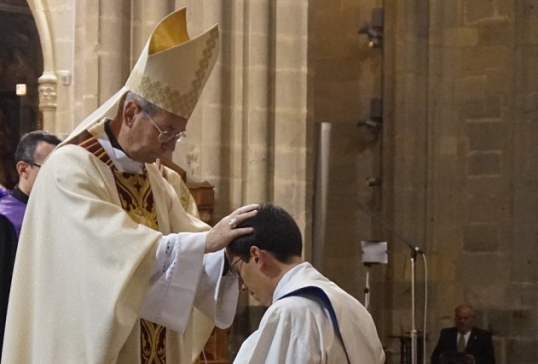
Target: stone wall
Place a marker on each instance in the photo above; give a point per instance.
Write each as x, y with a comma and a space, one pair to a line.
345, 75
455, 155
462, 141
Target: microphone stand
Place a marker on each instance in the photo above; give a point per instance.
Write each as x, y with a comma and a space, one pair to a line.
367, 287
414, 357
414, 333
414, 251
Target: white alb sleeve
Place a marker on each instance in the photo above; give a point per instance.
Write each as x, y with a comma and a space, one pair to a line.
174, 278
218, 291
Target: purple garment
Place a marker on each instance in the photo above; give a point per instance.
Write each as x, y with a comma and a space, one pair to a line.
13, 209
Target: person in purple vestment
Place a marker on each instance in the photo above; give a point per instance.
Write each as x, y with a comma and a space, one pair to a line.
32, 150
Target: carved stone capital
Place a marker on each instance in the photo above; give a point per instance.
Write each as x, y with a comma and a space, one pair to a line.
47, 91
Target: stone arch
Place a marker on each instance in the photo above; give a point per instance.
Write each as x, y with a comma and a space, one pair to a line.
48, 81
21, 63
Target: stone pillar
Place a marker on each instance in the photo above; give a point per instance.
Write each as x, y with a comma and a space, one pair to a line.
103, 46
211, 121
145, 16
86, 80
257, 118
292, 171
114, 47
47, 99
229, 131
48, 81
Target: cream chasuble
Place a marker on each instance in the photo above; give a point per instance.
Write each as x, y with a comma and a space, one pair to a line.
87, 271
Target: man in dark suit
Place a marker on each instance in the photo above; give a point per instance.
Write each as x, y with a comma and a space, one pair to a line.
475, 343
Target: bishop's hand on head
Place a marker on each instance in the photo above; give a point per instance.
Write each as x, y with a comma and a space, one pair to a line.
226, 229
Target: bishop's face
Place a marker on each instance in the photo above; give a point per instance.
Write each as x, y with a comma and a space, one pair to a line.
148, 137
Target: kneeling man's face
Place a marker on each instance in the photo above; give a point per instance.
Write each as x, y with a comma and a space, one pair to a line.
252, 278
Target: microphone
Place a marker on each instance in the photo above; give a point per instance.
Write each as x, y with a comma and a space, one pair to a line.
414, 249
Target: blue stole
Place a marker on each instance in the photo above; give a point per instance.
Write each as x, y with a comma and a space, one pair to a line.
319, 293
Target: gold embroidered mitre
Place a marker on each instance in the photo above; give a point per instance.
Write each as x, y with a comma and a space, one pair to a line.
173, 69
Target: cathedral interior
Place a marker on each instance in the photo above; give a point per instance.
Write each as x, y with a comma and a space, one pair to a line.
20, 63
408, 122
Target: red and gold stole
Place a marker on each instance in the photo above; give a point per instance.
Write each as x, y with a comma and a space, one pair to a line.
137, 200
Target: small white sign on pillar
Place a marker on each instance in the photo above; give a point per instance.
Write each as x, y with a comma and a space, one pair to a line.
20, 90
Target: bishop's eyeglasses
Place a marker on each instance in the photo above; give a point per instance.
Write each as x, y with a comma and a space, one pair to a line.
165, 135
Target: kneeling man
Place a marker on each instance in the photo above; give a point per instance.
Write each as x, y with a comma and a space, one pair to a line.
310, 319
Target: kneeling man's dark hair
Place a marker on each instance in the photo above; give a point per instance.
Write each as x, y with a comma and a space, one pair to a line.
275, 231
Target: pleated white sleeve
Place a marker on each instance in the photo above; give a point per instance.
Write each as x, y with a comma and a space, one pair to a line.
183, 277
218, 291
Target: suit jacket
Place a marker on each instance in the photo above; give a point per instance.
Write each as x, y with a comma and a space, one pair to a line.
480, 345
8, 248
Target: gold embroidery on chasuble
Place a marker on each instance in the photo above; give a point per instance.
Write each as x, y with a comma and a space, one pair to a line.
184, 198
137, 200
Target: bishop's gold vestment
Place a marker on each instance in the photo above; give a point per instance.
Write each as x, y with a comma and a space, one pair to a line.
85, 269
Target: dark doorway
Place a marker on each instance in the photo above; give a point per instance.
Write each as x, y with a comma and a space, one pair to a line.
21, 62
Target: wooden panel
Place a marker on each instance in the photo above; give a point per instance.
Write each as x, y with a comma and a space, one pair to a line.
216, 349
204, 196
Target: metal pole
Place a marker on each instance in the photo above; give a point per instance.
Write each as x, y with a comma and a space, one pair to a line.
367, 288
413, 323
322, 186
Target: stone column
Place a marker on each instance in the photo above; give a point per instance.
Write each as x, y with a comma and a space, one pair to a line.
48, 81
293, 129
114, 47
47, 99
145, 16
86, 81
229, 131
211, 121
257, 118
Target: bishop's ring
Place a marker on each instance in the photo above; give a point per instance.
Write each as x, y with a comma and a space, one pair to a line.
232, 222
